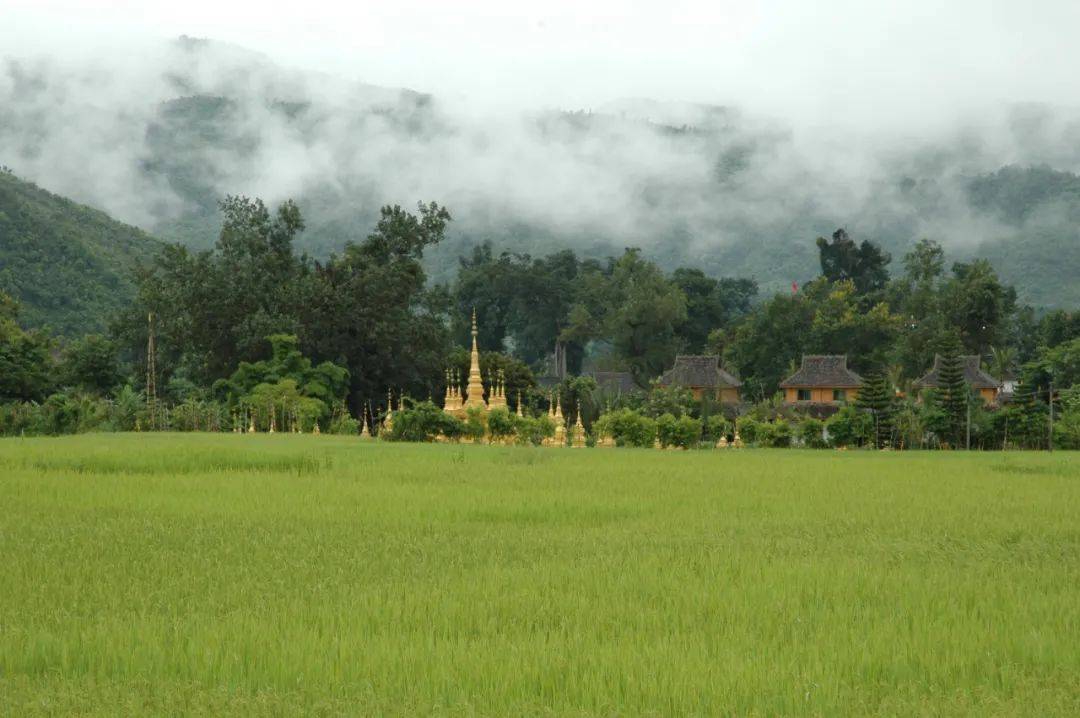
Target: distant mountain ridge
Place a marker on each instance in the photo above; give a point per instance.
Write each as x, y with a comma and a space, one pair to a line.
691, 184
69, 266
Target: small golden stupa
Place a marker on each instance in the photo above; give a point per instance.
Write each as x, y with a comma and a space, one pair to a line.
388, 420
577, 441
560, 423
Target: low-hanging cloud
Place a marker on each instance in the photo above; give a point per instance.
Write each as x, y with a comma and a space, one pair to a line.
151, 138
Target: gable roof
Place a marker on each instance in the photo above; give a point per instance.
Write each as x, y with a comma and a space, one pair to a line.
615, 382
974, 376
823, 370
699, 370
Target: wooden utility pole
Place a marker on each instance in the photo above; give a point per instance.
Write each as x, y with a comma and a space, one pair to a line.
151, 374
968, 437
1050, 422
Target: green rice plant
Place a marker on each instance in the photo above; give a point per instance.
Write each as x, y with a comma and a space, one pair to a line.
198, 574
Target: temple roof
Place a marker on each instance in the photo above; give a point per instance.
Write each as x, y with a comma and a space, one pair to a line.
699, 371
974, 376
618, 382
823, 370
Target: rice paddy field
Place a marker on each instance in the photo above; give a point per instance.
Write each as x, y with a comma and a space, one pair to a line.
307, 575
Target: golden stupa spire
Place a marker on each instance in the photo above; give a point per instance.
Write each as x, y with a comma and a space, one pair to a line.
560, 424
475, 397
519, 409
578, 439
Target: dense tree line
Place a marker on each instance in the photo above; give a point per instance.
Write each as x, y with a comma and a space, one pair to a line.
253, 331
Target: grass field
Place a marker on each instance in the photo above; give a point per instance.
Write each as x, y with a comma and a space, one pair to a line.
286, 575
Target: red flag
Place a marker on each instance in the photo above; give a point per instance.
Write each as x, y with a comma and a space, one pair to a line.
794, 287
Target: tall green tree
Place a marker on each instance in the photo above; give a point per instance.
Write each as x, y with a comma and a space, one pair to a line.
91, 365
953, 392
866, 264
645, 312
370, 310
710, 304
214, 309
876, 397
978, 304
26, 367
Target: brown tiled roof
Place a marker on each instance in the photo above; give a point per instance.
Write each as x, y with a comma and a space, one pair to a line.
617, 382
699, 371
823, 371
974, 376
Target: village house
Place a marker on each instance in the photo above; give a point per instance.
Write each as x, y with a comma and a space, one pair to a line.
822, 379
614, 383
702, 375
988, 387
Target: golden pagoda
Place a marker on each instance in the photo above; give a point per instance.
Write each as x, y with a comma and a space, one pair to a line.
560, 423
388, 421
497, 394
520, 411
452, 399
577, 440
456, 403
474, 394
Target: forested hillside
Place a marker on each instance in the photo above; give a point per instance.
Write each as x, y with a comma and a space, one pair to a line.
715, 187
69, 266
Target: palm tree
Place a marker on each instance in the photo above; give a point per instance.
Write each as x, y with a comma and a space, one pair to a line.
1001, 361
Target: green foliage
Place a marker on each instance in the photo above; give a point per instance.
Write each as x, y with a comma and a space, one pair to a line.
687, 432
865, 265
673, 400
628, 428
1067, 427
370, 310
876, 397
531, 431
665, 430
70, 266
781, 434
812, 433
952, 395
424, 421
750, 430
714, 427
841, 325
280, 404
764, 345
26, 366
475, 425
90, 364
850, 427
287, 381
711, 304
285, 386
500, 424
645, 311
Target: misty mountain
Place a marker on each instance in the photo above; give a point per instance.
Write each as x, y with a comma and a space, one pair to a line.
158, 142
69, 266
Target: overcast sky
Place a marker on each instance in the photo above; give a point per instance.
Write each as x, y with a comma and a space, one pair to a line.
820, 61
